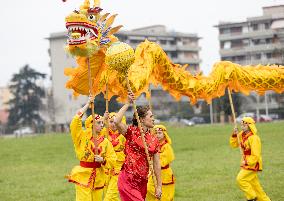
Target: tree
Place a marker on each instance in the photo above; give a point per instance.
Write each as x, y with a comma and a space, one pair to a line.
26, 101
223, 104
100, 105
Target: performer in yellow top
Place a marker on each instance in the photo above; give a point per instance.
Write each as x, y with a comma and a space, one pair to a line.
118, 143
251, 161
166, 157
89, 176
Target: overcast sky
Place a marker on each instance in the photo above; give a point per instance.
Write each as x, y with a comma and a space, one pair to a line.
26, 24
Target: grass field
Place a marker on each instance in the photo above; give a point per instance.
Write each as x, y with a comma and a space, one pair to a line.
33, 168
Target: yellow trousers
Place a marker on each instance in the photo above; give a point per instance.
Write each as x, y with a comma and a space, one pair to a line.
112, 189
106, 184
86, 194
168, 192
249, 184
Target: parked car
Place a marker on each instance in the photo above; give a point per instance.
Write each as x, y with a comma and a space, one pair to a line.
157, 121
198, 120
187, 122
265, 118
249, 114
173, 119
23, 130
274, 116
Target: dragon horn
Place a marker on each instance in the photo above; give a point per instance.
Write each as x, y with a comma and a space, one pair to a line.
110, 21
85, 5
103, 17
114, 30
97, 3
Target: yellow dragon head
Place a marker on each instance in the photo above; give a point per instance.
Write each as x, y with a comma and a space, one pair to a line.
89, 30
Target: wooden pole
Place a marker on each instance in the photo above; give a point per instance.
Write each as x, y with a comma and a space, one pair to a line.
150, 99
234, 116
107, 123
92, 107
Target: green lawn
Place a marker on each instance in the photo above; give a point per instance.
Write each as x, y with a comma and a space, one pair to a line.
33, 168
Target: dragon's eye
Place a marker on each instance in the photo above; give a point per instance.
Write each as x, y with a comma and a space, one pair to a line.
91, 17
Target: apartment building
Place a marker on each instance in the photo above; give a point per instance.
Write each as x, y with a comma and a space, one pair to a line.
182, 48
258, 40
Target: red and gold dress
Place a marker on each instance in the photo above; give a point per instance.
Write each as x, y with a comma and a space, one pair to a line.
132, 181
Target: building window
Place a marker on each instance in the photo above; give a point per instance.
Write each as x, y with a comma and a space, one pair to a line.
245, 29
268, 55
256, 56
237, 43
255, 27
236, 30
246, 42
255, 41
135, 41
163, 42
227, 45
224, 31
174, 55
173, 42
268, 40
267, 25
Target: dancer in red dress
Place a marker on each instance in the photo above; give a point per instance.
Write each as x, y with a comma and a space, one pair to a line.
133, 178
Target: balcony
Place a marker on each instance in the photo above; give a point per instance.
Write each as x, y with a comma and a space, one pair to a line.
188, 48
184, 60
252, 34
251, 49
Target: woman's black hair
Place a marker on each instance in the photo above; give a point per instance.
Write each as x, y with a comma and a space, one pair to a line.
142, 112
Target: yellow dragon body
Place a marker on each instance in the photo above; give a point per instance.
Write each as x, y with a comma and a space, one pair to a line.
90, 35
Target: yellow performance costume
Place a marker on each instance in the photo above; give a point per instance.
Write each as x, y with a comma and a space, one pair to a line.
251, 161
118, 142
89, 176
168, 179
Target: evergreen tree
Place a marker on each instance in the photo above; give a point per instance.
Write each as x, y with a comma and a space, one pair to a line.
100, 105
223, 104
26, 101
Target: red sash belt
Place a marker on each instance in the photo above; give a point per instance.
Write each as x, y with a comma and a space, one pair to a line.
247, 152
166, 167
90, 164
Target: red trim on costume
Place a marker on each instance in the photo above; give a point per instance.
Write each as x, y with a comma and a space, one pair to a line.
247, 152
90, 164
86, 186
165, 167
113, 138
172, 182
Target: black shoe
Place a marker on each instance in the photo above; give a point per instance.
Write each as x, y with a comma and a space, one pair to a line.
253, 199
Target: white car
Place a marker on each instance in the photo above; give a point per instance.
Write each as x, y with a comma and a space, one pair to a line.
187, 122
23, 130
249, 114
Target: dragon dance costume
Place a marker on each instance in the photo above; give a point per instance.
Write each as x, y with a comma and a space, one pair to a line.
168, 180
89, 176
251, 162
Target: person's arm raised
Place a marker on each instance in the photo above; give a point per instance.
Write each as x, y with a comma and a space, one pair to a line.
122, 128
